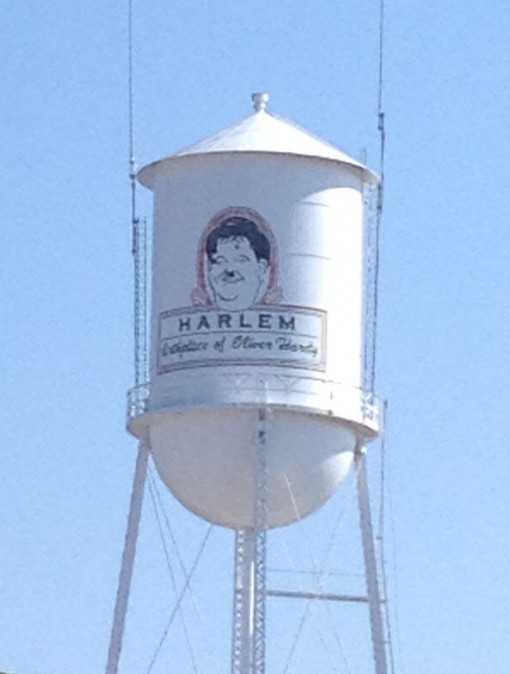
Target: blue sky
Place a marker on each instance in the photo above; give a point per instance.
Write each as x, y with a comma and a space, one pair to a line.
65, 343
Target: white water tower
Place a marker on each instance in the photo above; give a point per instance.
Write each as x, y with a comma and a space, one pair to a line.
257, 301
254, 410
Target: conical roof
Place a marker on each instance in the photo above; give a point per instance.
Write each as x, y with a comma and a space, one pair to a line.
264, 133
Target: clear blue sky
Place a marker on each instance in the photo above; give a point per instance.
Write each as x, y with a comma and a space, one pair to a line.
65, 341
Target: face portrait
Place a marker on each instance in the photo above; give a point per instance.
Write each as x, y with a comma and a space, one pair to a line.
237, 264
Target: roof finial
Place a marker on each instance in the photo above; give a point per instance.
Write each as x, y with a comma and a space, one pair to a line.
260, 100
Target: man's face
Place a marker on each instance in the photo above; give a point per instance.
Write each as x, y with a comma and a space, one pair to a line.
235, 274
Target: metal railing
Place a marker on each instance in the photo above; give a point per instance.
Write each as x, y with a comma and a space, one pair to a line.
278, 390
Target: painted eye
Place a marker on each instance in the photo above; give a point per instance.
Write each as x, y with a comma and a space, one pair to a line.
219, 259
243, 258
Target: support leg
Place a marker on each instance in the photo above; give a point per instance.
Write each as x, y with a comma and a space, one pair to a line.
244, 586
260, 520
249, 620
128, 558
371, 574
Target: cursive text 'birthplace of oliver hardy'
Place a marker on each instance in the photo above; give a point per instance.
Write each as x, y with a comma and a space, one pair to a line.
282, 336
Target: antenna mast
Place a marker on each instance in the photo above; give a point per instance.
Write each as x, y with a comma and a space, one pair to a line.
139, 252
379, 628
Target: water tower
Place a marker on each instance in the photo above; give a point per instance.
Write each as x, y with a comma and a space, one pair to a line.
254, 410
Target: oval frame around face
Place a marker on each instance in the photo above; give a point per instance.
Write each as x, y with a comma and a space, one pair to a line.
201, 294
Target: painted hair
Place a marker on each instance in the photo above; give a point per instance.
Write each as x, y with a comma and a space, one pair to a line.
237, 227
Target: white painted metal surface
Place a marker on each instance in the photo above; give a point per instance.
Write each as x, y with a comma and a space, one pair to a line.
260, 132
257, 302
128, 559
377, 628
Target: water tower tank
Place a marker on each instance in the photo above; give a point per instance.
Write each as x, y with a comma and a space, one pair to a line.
257, 305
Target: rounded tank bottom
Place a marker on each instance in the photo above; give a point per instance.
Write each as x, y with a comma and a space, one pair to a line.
207, 458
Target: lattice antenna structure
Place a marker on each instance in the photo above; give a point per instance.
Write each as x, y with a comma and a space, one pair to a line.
371, 263
139, 252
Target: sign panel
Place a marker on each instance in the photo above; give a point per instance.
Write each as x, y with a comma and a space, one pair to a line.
273, 335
